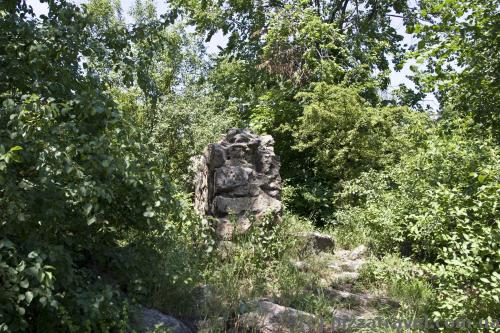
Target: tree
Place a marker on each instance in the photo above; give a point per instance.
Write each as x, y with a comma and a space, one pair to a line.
75, 176
277, 49
458, 43
343, 136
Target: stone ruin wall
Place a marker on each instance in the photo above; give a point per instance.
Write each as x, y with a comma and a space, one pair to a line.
238, 176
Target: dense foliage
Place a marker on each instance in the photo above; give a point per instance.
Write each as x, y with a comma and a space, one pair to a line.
347, 136
75, 176
101, 113
439, 206
458, 42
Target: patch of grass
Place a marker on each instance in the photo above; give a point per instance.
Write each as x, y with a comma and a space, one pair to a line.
401, 280
259, 264
218, 287
348, 236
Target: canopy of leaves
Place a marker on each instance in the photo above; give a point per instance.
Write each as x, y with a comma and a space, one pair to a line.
347, 136
75, 178
459, 43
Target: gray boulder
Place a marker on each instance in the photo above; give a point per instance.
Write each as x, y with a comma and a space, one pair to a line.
268, 317
155, 320
358, 252
319, 242
362, 299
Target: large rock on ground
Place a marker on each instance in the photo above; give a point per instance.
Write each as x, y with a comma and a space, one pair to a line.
153, 319
361, 299
268, 317
317, 241
239, 176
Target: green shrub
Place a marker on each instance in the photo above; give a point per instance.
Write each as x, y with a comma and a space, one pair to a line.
185, 125
339, 136
347, 136
75, 177
439, 206
24, 280
165, 267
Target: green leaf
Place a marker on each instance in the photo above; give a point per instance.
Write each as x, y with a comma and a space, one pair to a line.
485, 280
6, 243
24, 284
91, 221
29, 296
33, 255
8, 103
87, 208
149, 213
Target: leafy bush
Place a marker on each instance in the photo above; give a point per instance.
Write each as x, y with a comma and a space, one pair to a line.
69, 198
75, 177
24, 281
164, 267
185, 125
439, 205
347, 136
340, 136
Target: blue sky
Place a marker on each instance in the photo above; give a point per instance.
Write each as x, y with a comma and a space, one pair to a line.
219, 39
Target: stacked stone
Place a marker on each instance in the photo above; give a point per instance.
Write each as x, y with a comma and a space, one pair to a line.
239, 176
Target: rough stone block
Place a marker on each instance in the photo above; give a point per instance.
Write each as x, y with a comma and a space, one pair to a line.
238, 175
